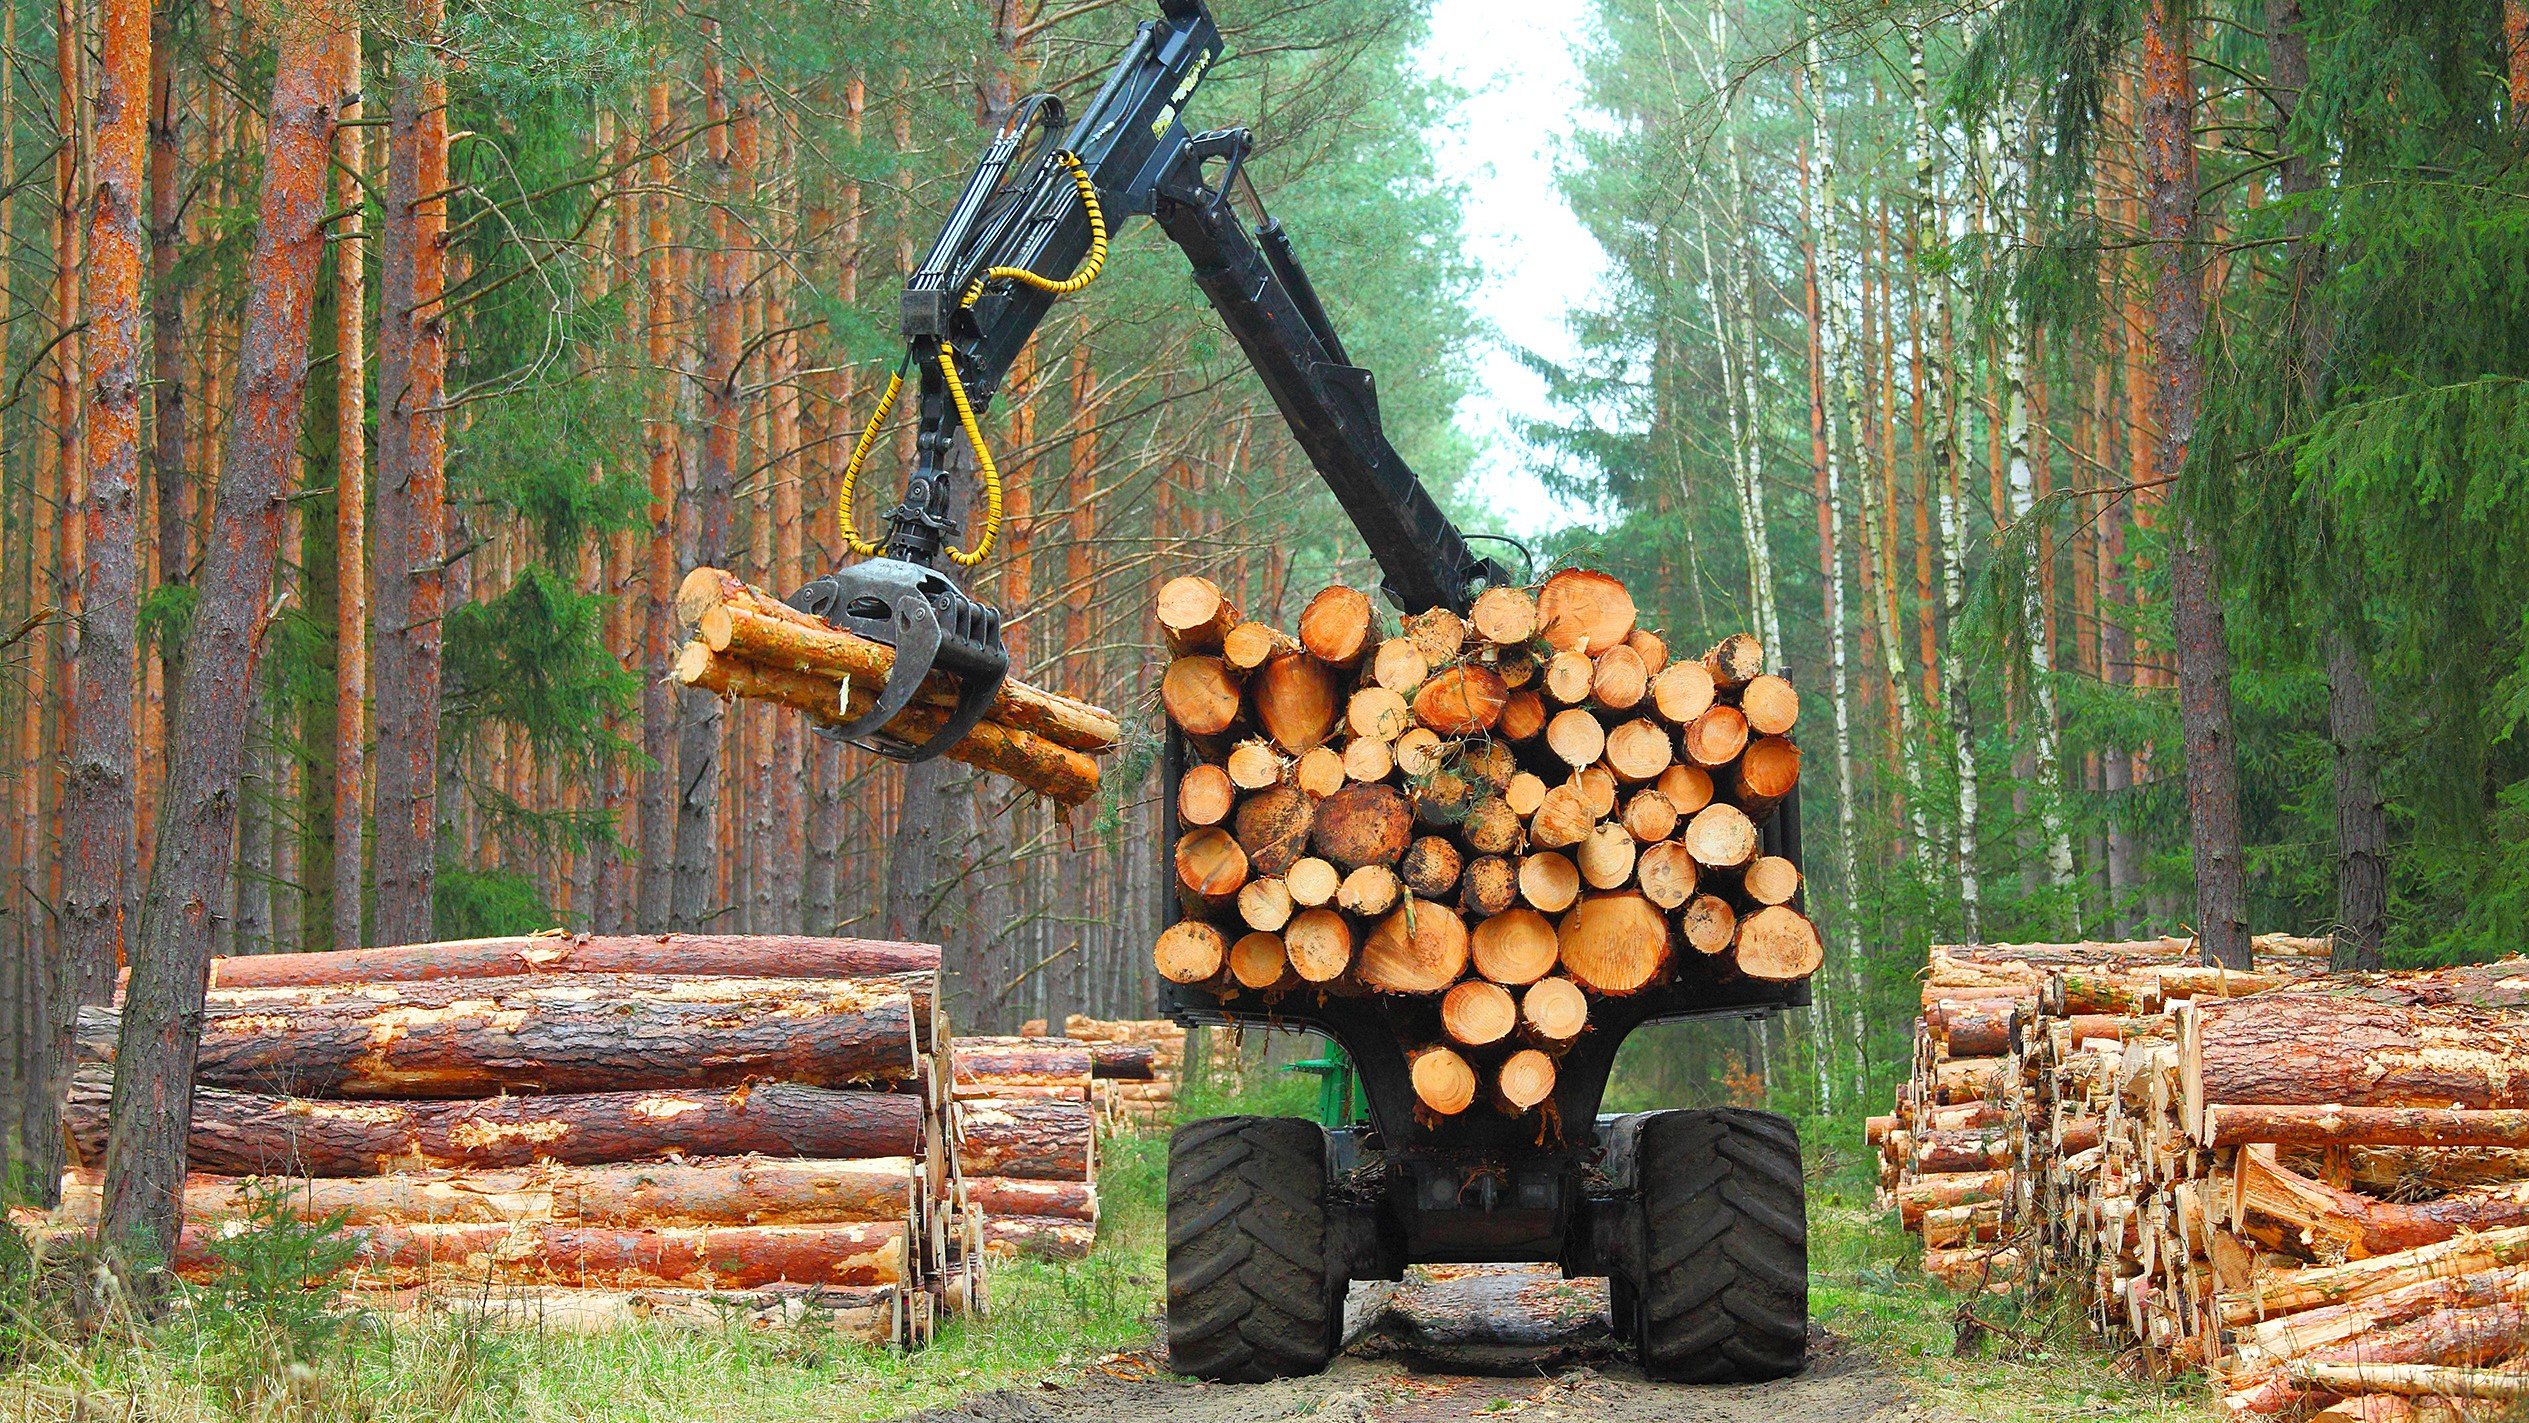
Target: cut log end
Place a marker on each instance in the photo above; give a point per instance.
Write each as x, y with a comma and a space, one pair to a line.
1443, 1081
1526, 1079
1514, 946
1779, 945
1190, 952
1478, 1013
1554, 1010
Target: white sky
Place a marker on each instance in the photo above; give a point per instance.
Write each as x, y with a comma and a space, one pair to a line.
1516, 64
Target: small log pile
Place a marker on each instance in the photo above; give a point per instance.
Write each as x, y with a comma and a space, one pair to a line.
1128, 1104
1052, 1215
749, 643
1494, 820
593, 1129
2314, 1185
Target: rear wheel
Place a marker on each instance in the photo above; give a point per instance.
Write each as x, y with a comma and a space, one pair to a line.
1725, 1291
1254, 1292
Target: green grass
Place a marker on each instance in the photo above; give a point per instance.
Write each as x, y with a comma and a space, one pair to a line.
243, 1357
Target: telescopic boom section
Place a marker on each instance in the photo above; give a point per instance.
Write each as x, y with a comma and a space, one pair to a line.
1022, 209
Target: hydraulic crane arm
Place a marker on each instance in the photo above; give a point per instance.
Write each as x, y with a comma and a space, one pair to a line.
1035, 207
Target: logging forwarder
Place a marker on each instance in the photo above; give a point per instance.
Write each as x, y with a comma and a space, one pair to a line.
1696, 1217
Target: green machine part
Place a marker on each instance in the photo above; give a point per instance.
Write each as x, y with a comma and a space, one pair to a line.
1339, 1102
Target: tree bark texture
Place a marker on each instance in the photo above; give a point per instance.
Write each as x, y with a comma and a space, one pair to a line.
538, 1253
153, 1084
410, 560
2297, 1050
2177, 394
700, 955
351, 500
660, 700
533, 1036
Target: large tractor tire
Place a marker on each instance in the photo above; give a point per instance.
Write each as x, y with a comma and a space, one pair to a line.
1254, 1292
1725, 1290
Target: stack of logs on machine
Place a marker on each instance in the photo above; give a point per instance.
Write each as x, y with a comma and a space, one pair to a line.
2314, 1185
583, 1130
1500, 817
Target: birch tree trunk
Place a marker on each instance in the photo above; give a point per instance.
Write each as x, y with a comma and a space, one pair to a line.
162, 1015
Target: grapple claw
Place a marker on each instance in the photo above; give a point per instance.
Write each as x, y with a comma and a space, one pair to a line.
933, 625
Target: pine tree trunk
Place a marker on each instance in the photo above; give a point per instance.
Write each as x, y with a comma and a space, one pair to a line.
699, 713
351, 499
659, 697
2197, 622
829, 776
409, 566
162, 1014
97, 809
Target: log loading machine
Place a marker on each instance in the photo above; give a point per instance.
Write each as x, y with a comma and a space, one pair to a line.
1696, 1217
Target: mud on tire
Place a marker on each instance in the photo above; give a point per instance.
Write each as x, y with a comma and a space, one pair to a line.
1725, 1293
1252, 1292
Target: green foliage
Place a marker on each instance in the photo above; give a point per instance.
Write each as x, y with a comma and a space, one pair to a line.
531, 657
478, 904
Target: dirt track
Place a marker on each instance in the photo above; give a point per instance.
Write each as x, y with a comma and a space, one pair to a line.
1453, 1343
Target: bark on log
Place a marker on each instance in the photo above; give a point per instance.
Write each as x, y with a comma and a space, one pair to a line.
2360, 1225
2416, 1380
723, 1257
1492, 827
1362, 825
873, 1316
1946, 1153
1487, 886
1013, 1195
795, 635
1934, 1192
2297, 1050
1735, 661
1768, 773
587, 1034
2231, 1125
705, 955
1052, 1141
251, 1134
1024, 1062
1973, 1029
1047, 1237
2467, 1337
1272, 827
2288, 1293
710, 1191
1431, 866
1063, 775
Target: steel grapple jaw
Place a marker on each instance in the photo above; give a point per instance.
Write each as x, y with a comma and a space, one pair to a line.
933, 626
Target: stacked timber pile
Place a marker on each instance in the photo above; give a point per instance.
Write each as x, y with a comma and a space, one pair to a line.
749, 643
1140, 1104
1056, 1214
2315, 1185
1493, 820
1997, 1131
581, 1130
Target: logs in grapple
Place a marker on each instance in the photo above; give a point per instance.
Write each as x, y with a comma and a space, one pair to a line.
1507, 813
748, 643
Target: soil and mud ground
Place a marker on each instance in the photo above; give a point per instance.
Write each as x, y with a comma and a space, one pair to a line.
1456, 1342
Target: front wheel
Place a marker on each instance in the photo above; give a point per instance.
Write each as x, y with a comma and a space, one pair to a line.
1254, 1290
1725, 1291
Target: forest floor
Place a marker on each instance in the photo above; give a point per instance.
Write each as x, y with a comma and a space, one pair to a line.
1074, 1342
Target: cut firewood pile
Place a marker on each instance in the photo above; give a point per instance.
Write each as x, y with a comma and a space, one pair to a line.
1493, 820
587, 1130
749, 643
1140, 1104
2314, 1185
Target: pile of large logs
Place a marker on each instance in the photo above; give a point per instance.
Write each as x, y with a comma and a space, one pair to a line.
2315, 1185
1140, 1104
594, 1129
749, 643
1502, 817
